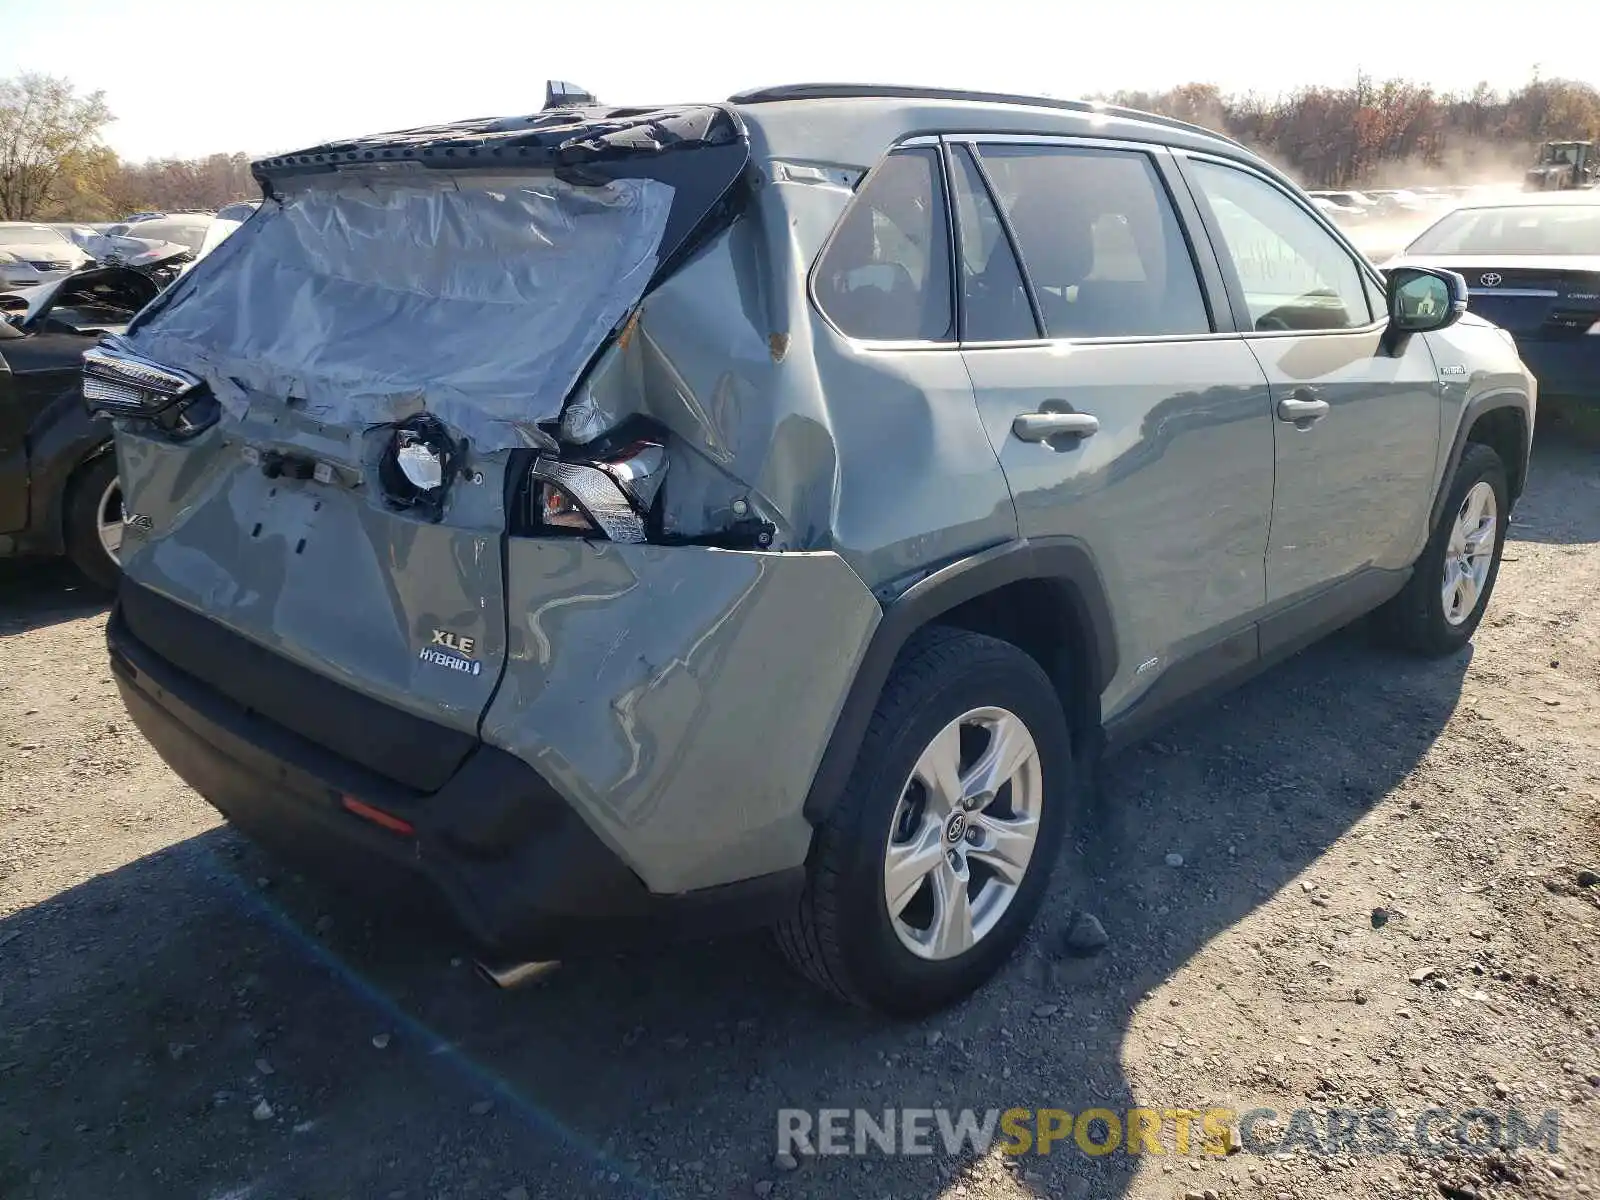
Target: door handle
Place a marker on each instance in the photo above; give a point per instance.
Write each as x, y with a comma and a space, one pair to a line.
1302, 408
1042, 426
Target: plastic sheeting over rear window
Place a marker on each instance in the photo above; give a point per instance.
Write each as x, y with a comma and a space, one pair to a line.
366, 299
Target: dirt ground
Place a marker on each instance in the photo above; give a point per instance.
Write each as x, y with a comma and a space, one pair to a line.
1384, 902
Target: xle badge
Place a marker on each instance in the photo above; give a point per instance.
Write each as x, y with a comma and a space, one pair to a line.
453, 641
451, 651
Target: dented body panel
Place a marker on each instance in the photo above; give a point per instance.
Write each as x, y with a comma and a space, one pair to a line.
659, 689
877, 454
324, 574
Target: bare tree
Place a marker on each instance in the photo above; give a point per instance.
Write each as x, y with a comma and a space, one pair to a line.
45, 126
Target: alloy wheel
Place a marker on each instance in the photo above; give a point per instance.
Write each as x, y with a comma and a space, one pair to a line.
108, 520
963, 833
1470, 553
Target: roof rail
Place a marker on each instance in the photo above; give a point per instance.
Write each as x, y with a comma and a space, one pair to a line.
858, 91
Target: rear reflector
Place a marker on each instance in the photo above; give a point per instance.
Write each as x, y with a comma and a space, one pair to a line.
377, 816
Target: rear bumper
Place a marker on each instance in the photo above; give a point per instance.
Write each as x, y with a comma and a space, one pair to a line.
1568, 369
496, 849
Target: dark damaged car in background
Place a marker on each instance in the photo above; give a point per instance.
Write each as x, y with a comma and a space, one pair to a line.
624, 522
59, 492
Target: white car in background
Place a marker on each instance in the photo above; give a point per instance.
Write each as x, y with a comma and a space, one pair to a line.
1339, 212
1358, 203
32, 254
229, 217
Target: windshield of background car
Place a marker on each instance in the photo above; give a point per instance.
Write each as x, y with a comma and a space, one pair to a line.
28, 235
191, 234
1552, 229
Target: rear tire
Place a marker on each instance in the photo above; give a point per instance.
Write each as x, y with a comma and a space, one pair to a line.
1003, 709
93, 507
1419, 619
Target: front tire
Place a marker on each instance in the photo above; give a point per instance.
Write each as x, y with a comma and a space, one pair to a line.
934, 861
93, 529
1438, 610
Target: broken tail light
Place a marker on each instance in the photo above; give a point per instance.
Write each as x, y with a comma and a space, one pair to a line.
119, 383
611, 497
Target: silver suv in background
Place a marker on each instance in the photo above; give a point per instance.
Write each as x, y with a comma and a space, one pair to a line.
661, 520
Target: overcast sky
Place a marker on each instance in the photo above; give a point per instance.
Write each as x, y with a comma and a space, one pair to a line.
187, 79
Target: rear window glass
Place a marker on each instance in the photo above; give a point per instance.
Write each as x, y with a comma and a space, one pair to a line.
885, 275
1534, 229
477, 297
191, 234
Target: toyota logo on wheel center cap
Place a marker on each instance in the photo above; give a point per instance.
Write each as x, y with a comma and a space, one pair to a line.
956, 828
1490, 278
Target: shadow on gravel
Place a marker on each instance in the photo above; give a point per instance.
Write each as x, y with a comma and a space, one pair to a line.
137, 1005
1566, 455
35, 593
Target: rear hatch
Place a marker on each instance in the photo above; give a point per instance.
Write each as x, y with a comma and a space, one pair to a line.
321, 425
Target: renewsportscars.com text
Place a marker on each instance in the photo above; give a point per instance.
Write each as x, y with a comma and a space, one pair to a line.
1179, 1131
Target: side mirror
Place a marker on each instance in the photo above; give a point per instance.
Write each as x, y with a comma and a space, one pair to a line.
1422, 300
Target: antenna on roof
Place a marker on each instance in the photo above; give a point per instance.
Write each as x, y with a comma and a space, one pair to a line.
565, 95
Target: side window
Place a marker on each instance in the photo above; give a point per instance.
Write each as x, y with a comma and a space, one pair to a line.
994, 303
885, 274
1294, 275
1099, 241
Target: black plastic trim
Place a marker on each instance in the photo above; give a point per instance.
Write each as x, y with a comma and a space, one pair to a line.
1207, 672
408, 749
1295, 625
1241, 654
497, 850
1516, 473
1064, 560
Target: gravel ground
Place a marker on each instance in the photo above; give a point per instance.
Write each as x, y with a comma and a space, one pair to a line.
1384, 900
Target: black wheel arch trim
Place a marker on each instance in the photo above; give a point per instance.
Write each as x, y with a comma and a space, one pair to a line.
1064, 560
1516, 472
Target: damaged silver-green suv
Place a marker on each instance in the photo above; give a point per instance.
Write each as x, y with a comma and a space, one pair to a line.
617, 522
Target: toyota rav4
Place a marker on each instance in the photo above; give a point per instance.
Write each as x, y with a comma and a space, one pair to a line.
636, 521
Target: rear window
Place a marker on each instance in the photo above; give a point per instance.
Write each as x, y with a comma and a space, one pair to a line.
190, 234
478, 297
1517, 229
885, 275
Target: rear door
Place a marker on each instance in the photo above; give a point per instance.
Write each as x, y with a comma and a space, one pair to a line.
1358, 417
1162, 464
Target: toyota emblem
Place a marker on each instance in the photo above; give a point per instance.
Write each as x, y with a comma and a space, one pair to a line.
1490, 278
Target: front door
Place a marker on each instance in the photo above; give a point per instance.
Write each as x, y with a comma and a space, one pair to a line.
1120, 416
1356, 432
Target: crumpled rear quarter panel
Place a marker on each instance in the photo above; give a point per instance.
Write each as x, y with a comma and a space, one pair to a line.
680, 697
